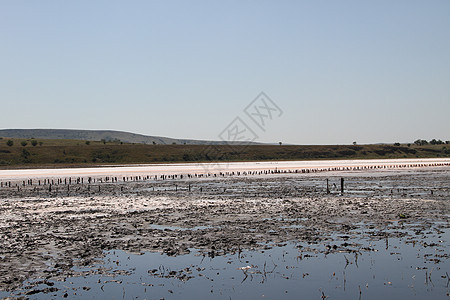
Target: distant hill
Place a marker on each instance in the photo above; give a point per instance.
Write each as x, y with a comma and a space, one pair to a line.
97, 135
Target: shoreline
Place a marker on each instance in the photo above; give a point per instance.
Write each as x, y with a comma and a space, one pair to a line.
220, 167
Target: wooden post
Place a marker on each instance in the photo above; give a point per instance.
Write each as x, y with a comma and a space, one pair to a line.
342, 185
328, 187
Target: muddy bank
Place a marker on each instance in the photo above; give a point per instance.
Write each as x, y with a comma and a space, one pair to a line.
46, 233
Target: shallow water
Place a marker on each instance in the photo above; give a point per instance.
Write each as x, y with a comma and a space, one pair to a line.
410, 267
168, 227
186, 168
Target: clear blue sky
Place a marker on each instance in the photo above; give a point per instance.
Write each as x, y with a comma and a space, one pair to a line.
341, 71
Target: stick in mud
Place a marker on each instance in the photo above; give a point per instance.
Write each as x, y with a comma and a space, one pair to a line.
328, 187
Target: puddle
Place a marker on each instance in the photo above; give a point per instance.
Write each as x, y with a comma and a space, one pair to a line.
293, 226
174, 228
285, 219
369, 271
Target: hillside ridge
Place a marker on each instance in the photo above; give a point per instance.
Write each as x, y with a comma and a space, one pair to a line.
98, 135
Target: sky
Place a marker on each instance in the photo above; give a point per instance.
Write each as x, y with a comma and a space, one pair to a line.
336, 71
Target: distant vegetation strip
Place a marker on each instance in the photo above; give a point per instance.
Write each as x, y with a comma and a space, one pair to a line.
62, 153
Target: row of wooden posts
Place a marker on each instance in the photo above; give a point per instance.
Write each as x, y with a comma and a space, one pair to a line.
115, 179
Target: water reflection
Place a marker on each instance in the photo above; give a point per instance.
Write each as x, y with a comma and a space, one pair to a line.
347, 268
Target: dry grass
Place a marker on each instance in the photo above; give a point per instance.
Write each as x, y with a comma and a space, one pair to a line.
64, 153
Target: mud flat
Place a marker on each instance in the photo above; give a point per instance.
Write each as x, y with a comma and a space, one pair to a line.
256, 236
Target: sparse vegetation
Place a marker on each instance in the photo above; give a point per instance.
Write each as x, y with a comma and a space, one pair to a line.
24, 143
4, 162
436, 142
34, 143
76, 152
10, 143
421, 142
